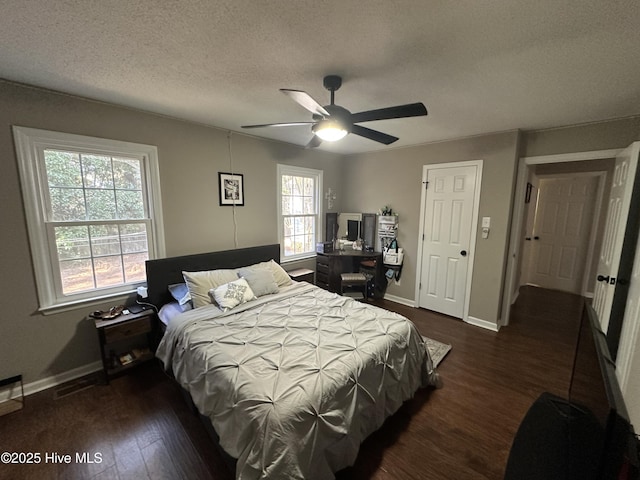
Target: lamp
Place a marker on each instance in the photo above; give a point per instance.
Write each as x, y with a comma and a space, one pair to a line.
329, 130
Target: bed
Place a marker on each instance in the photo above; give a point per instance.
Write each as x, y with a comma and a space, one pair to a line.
293, 380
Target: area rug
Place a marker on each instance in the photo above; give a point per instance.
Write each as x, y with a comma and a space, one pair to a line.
437, 350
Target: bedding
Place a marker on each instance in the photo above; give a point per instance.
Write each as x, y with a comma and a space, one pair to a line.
201, 283
294, 381
171, 310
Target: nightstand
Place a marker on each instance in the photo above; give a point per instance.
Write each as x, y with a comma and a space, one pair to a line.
125, 341
302, 275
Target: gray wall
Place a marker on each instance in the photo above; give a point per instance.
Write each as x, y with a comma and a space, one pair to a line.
393, 177
190, 157
581, 138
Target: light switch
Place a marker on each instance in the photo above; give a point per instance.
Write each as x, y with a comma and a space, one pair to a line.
486, 222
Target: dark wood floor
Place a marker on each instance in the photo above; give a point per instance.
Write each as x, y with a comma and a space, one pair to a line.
142, 428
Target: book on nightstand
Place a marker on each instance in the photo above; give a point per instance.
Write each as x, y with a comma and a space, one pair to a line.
126, 358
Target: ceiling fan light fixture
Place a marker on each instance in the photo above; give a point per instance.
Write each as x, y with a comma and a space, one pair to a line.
333, 122
329, 130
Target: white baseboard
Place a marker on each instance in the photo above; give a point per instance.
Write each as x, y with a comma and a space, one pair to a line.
482, 323
400, 300
52, 381
470, 320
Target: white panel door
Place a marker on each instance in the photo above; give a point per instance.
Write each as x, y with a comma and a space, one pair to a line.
616, 223
448, 212
628, 358
563, 225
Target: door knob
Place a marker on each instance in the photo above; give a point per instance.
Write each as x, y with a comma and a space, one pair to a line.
527, 238
463, 253
536, 238
602, 278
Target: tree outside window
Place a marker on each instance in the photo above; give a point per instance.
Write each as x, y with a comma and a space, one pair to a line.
299, 210
93, 211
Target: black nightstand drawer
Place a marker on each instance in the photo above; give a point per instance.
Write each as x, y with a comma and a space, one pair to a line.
127, 329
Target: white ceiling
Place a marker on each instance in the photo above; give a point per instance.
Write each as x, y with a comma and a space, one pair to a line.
478, 66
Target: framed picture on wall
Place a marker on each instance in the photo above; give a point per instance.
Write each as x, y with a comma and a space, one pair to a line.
231, 187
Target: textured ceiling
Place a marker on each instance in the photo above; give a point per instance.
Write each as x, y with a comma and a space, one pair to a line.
478, 66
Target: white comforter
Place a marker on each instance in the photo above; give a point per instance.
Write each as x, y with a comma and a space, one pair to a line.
293, 382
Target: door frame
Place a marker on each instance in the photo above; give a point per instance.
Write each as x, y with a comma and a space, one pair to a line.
595, 221
473, 237
517, 215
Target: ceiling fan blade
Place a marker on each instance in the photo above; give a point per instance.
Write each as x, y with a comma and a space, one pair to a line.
374, 135
400, 111
314, 142
305, 100
289, 124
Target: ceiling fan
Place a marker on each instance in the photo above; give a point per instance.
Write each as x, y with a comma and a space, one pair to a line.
332, 122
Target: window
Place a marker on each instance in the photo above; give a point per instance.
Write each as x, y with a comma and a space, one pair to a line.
93, 213
299, 211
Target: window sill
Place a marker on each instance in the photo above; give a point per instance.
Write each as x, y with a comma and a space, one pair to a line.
85, 303
305, 256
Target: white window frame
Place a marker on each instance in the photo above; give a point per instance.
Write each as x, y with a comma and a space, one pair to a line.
30, 143
299, 172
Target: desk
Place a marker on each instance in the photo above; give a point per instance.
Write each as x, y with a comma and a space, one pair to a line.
329, 266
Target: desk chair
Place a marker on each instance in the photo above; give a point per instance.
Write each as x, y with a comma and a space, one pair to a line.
354, 280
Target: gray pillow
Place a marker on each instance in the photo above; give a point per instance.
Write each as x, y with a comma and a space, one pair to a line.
261, 280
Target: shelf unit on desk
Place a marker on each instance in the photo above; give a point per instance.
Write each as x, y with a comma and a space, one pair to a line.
122, 334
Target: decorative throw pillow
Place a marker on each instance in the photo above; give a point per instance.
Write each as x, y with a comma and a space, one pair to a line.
232, 294
199, 284
180, 292
260, 279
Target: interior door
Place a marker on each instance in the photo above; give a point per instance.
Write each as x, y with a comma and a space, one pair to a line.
615, 228
448, 213
628, 358
529, 218
562, 229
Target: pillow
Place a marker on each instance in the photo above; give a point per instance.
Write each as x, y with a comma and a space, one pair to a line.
199, 284
180, 292
279, 274
260, 279
171, 310
232, 294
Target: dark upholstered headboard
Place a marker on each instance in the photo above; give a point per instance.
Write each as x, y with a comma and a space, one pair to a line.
166, 271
